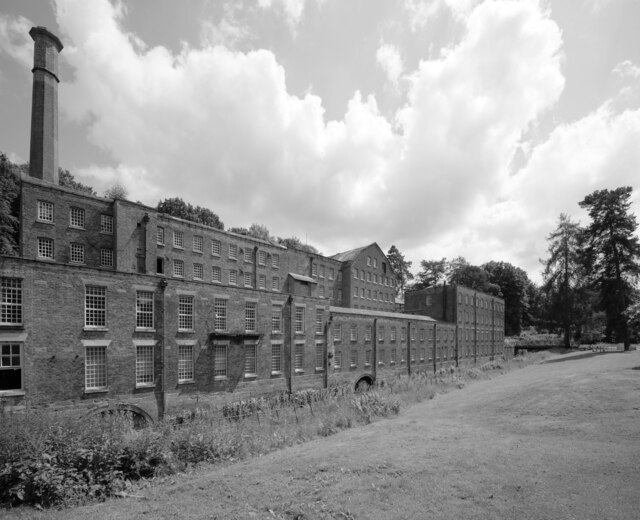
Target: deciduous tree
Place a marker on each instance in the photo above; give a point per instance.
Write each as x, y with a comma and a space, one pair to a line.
176, 207
401, 267
513, 283
432, 272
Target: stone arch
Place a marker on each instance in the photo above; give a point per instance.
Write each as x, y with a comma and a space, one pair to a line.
364, 383
141, 418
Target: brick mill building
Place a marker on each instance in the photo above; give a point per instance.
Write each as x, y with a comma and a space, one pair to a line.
110, 303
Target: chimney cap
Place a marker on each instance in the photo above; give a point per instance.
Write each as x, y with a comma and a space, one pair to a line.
43, 32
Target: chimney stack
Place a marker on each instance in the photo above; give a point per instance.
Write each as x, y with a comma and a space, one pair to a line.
43, 157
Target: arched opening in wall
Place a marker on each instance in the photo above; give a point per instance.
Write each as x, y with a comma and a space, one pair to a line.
364, 384
138, 417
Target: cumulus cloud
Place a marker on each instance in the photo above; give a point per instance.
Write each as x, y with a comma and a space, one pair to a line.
627, 69
388, 57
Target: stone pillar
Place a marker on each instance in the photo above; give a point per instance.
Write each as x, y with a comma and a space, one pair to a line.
43, 157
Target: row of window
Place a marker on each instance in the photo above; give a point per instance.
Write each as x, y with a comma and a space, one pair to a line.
481, 319
482, 303
424, 334
375, 296
363, 275
77, 217
76, 252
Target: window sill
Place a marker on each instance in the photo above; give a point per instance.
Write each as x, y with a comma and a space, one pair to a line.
187, 382
146, 385
159, 245
276, 374
96, 390
95, 329
197, 252
186, 331
11, 326
178, 247
353, 366
12, 393
250, 377
299, 371
77, 228
319, 370
144, 329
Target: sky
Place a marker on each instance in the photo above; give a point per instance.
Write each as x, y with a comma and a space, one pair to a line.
445, 127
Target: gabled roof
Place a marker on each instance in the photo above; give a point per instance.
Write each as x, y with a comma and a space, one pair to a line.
351, 255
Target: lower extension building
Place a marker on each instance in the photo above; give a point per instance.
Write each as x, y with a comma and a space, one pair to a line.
110, 303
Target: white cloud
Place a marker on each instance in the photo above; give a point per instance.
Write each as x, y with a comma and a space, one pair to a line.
291, 9
15, 40
388, 57
627, 69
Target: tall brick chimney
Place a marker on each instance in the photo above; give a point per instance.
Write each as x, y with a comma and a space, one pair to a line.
43, 157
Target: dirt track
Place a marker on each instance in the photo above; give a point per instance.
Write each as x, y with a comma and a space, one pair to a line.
558, 440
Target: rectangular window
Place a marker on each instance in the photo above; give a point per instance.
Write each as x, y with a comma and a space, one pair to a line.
314, 270
276, 319
353, 333
422, 354
250, 316
248, 279
322, 271
337, 359
393, 334
198, 243
178, 268
353, 361
45, 247
368, 261
185, 312
319, 323
275, 283
185, 363
216, 274
76, 218
381, 334
106, 257
144, 310
276, 358
95, 306
220, 310
319, 356
248, 255
331, 273
233, 277
10, 301
368, 276
362, 293
367, 358
275, 260
355, 273
198, 271
216, 247
298, 359
402, 355
355, 292
421, 334
262, 281
262, 257
178, 239
45, 211
299, 320
381, 357
220, 362
392, 360
337, 332
375, 262
321, 292
160, 236
10, 366
403, 334
367, 333
144, 365
95, 368
413, 355
250, 360
106, 224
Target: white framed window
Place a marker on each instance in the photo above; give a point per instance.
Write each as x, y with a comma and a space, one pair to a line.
276, 319
144, 310
250, 360
413, 355
275, 283
353, 333
45, 247
367, 358
198, 243
178, 268
392, 358
250, 316
220, 362
337, 332
319, 356
262, 281
355, 273
220, 310
95, 306
106, 224
276, 358
45, 211
368, 261
185, 312
178, 239
275, 260
402, 355
381, 357
198, 271
233, 277
106, 257
375, 278
392, 334
381, 334
248, 279
10, 301
422, 354
362, 275
248, 255
319, 322
76, 218
368, 276
10, 366
95, 368
362, 293
216, 274
144, 365
375, 262
367, 333
299, 320
298, 357
77, 253
353, 358
337, 359
185, 363
262, 258
216, 247
160, 236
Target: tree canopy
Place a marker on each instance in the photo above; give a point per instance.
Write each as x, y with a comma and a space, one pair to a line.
9, 206
401, 267
176, 207
66, 179
296, 243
